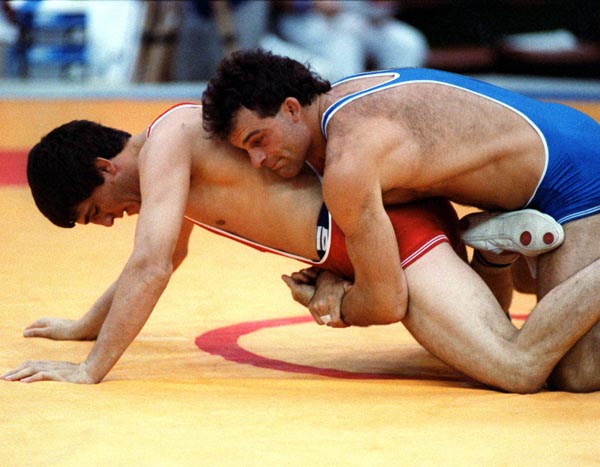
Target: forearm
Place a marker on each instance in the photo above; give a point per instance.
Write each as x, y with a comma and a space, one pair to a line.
358, 310
354, 310
379, 294
133, 302
90, 323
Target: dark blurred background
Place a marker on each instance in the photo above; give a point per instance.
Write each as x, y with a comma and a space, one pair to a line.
132, 41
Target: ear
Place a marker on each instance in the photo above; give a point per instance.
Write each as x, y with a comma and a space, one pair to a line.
292, 107
105, 165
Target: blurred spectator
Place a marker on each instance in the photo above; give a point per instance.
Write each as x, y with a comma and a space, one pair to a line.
211, 29
351, 34
112, 33
205, 37
8, 34
114, 30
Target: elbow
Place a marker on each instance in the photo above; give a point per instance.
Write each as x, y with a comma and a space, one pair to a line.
399, 306
366, 309
393, 311
394, 315
395, 305
152, 271
160, 273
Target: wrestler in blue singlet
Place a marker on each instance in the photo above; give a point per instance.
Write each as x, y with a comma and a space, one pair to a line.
569, 188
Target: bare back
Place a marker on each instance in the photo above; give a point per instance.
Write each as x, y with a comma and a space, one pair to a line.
227, 193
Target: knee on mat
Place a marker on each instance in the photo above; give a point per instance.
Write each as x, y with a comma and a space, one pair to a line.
523, 378
527, 384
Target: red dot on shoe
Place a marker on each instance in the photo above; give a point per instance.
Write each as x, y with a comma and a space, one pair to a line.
548, 238
525, 238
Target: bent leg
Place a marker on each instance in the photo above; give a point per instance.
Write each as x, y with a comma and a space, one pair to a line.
455, 316
522, 278
579, 370
497, 276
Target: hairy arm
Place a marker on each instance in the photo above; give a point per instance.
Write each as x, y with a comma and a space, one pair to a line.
352, 192
321, 292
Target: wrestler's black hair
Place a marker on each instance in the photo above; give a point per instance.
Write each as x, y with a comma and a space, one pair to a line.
258, 80
61, 169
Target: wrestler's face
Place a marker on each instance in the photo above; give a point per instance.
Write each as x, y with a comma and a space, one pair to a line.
279, 143
109, 201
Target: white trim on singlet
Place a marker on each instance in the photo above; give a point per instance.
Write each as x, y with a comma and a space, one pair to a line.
260, 246
257, 245
441, 238
333, 108
239, 238
158, 119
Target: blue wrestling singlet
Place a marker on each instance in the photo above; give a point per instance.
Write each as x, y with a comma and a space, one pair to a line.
569, 187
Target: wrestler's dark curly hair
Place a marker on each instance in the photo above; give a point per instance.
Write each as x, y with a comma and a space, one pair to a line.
61, 171
260, 81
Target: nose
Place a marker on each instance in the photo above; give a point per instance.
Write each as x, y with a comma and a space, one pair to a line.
257, 158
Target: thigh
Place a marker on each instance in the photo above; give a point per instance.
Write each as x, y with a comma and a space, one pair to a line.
579, 249
579, 369
522, 278
455, 316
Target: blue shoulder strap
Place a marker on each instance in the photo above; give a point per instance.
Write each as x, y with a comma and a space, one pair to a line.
331, 110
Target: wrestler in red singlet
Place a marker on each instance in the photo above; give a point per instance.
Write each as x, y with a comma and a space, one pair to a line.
419, 227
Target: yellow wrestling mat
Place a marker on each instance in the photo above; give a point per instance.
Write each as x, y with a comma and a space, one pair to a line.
229, 371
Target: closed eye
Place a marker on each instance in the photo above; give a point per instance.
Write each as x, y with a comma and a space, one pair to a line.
257, 142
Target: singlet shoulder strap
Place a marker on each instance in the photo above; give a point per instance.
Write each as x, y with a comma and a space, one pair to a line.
322, 235
331, 110
167, 112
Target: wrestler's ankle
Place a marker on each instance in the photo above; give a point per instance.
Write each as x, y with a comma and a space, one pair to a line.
495, 260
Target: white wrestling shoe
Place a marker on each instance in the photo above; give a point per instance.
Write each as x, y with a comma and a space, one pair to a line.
527, 232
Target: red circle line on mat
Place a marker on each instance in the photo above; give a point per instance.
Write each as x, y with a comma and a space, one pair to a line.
224, 342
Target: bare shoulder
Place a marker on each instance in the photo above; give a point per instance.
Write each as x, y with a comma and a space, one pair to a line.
172, 137
183, 121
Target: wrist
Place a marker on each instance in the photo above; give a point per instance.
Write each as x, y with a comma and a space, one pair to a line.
86, 330
87, 373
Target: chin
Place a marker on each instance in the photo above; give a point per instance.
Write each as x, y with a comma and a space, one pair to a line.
288, 172
285, 174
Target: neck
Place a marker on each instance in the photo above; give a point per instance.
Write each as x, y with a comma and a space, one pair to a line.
128, 161
316, 151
